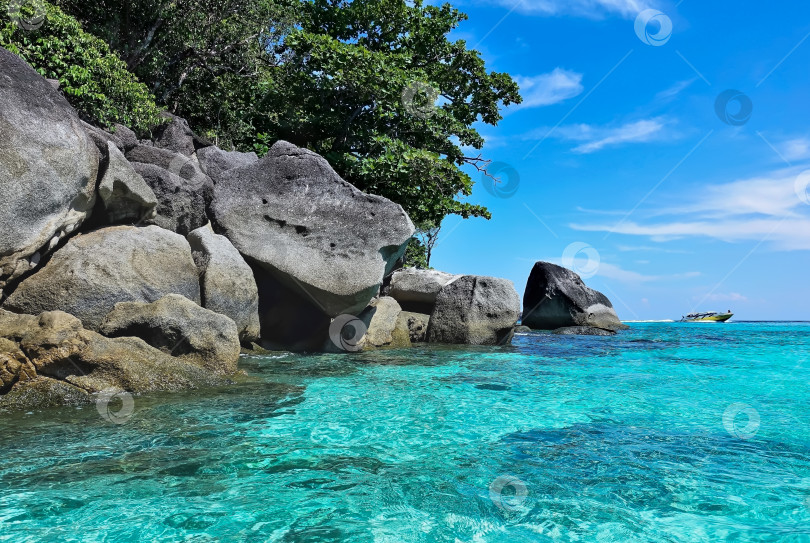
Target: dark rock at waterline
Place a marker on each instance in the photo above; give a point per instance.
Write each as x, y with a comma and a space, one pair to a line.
214, 161
227, 283
95, 271
556, 297
181, 203
181, 328
475, 310
48, 168
297, 220
522, 329
583, 331
383, 327
416, 324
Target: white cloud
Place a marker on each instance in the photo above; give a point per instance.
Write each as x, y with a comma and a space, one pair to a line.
637, 132
593, 138
594, 9
796, 149
547, 89
763, 209
675, 89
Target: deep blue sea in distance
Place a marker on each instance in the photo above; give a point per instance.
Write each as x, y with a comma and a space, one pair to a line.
667, 432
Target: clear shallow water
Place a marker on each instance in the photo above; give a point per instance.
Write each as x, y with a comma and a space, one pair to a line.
557, 438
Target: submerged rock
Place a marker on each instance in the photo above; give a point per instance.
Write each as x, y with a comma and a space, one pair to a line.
65, 363
227, 283
583, 331
475, 310
179, 327
48, 168
319, 236
556, 297
416, 290
123, 192
93, 272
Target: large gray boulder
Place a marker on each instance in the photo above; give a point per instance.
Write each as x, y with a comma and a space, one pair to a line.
416, 289
177, 163
227, 283
123, 192
556, 297
319, 236
214, 161
383, 327
95, 271
179, 327
48, 168
475, 310
51, 359
176, 135
181, 203
416, 324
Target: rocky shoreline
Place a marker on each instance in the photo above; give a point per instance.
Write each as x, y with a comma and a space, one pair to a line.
142, 265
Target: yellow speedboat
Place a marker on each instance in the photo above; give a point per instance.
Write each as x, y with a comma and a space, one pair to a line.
709, 316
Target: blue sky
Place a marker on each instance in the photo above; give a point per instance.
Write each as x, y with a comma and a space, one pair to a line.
628, 167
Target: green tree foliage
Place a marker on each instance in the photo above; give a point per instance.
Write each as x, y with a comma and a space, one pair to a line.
204, 59
94, 79
353, 80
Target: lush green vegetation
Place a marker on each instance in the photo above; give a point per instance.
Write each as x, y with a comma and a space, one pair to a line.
375, 86
94, 79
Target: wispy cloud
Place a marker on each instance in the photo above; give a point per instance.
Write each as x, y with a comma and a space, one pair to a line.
675, 89
592, 138
796, 149
764, 208
550, 88
592, 9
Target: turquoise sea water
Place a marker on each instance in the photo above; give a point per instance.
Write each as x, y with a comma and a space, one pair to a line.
667, 432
